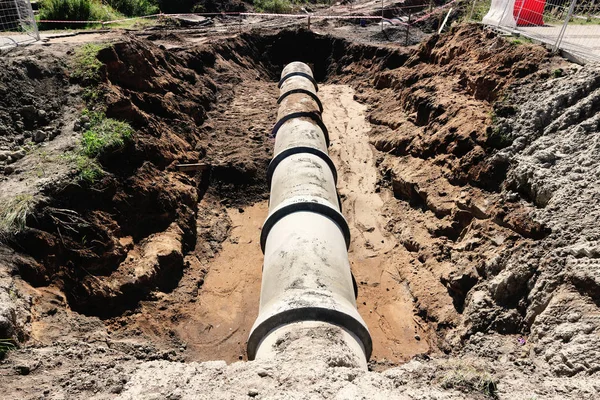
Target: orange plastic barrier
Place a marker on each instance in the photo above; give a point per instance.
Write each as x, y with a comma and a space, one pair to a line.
531, 14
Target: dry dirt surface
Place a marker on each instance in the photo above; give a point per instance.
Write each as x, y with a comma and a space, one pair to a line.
468, 171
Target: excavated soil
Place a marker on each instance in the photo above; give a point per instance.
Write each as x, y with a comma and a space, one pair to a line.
467, 172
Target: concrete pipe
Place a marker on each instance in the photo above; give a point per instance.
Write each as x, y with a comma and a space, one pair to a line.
299, 84
300, 135
299, 105
306, 277
297, 68
307, 283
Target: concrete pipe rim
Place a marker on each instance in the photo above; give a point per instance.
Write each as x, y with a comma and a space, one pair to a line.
321, 314
301, 114
308, 206
298, 73
279, 157
302, 91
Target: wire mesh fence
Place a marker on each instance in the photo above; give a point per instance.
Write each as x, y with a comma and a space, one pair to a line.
570, 25
17, 23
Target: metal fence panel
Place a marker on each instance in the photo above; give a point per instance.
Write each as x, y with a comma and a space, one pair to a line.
17, 23
570, 25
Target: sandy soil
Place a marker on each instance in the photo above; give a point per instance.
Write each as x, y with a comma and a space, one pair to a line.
384, 301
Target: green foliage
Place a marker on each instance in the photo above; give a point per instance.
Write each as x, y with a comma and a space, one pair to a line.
520, 40
135, 8
75, 10
273, 6
109, 134
14, 213
88, 169
104, 135
469, 378
5, 346
557, 73
478, 10
86, 65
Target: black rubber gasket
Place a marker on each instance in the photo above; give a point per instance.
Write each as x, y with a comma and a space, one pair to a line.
312, 206
303, 91
302, 114
298, 73
297, 150
333, 317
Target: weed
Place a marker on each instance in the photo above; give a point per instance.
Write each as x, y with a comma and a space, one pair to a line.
14, 213
86, 65
6, 345
557, 73
106, 135
520, 40
273, 6
88, 168
469, 378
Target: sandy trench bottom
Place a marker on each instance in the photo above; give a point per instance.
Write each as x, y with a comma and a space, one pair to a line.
228, 302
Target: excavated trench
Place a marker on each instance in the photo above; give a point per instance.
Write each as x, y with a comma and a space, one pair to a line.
173, 259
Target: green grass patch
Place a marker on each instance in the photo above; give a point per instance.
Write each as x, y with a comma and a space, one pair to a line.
478, 9
14, 213
86, 65
6, 345
273, 6
107, 135
469, 378
519, 40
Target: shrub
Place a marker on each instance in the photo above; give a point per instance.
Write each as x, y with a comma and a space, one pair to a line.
74, 10
135, 8
273, 6
5, 346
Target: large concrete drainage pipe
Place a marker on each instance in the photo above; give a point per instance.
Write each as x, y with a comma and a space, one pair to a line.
307, 286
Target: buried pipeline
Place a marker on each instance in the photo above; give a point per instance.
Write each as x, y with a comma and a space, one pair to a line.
307, 282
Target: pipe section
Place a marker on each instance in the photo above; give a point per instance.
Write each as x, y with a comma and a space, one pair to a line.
307, 283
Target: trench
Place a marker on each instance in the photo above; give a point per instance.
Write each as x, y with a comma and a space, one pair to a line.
194, 239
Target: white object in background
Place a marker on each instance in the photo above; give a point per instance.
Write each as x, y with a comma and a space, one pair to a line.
501, 14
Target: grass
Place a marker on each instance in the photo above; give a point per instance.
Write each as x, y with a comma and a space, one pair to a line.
6, 345
86, 65
105, 135
520, 40
478, 10
281, 6
273, 6
469, 378
14, 213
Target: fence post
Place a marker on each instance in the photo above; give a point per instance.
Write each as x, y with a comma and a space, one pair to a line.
519, 13
408, 26
564, 27
381, 15
472, 11
18, 13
